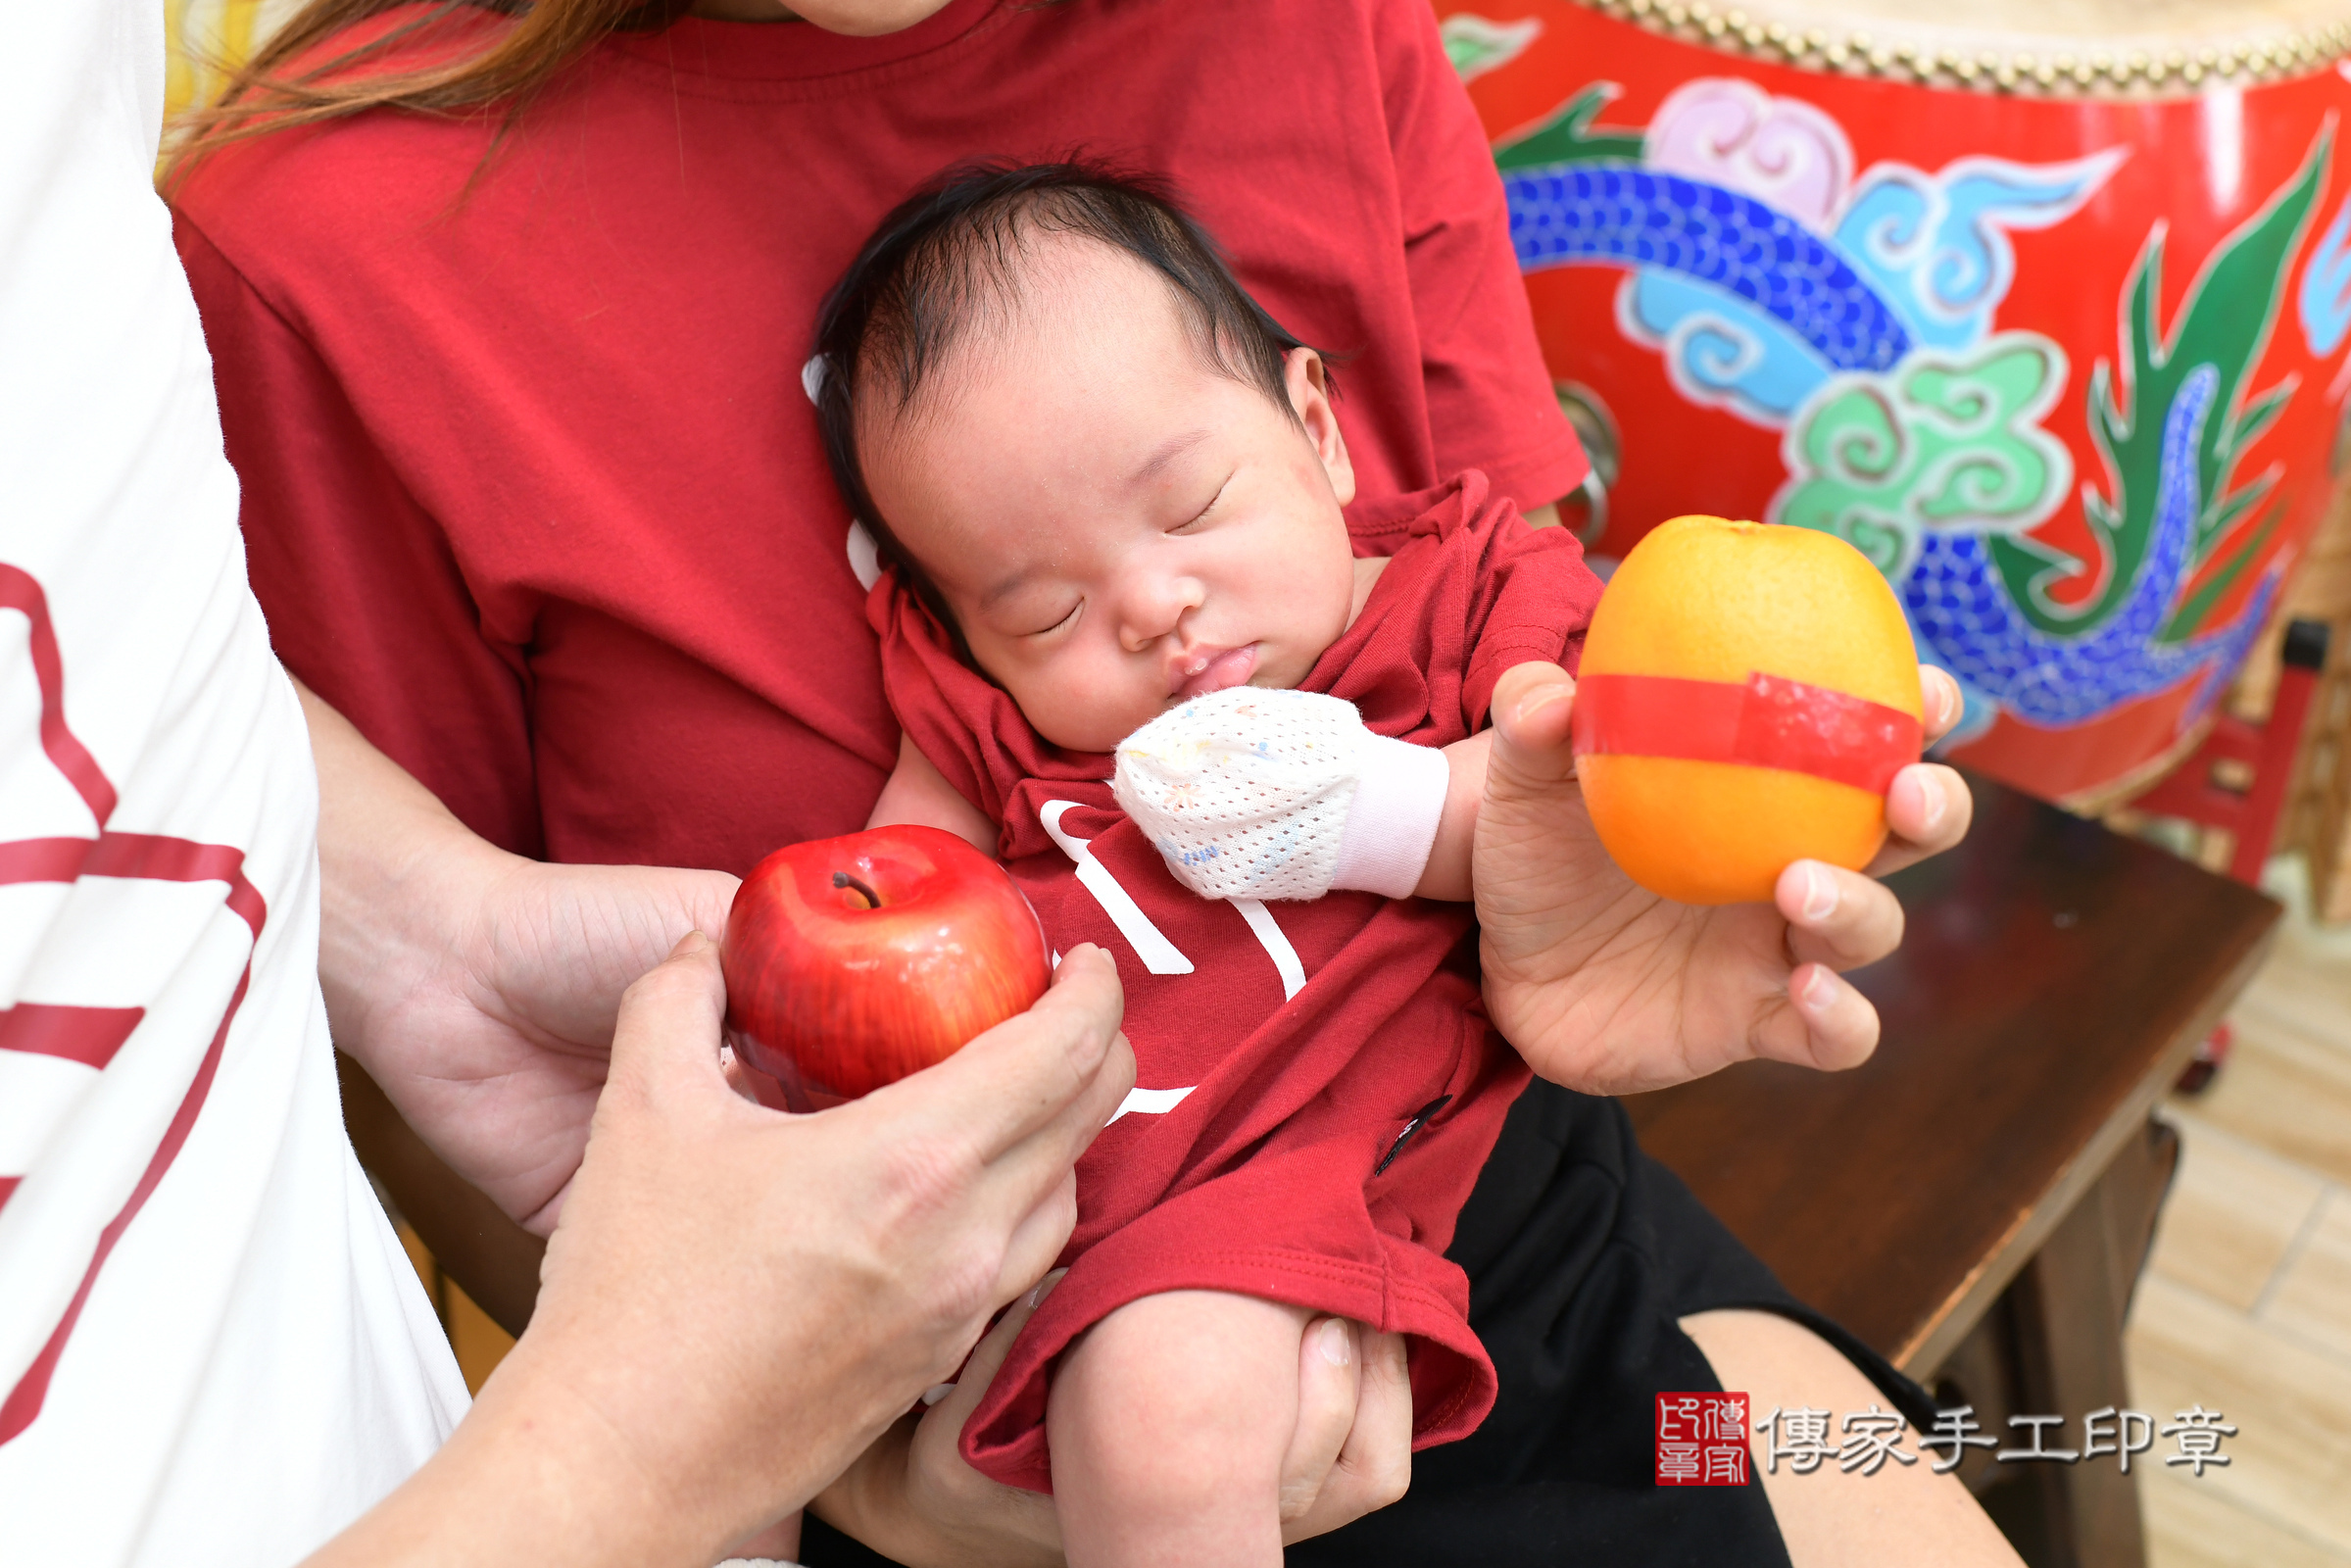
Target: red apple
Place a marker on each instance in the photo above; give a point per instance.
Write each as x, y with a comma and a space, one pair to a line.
853, 962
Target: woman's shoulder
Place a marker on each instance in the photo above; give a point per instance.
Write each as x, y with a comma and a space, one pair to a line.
376, 170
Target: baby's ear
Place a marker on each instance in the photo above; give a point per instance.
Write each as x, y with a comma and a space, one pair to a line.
1308, 383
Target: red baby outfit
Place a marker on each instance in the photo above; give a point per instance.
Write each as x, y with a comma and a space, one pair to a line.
1282, 1053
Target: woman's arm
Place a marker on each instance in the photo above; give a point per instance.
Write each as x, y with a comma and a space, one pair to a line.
738, 1301
478, 988
1489, 398
367, 600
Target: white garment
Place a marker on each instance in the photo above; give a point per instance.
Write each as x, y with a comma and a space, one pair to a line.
1250, 793
251, 1362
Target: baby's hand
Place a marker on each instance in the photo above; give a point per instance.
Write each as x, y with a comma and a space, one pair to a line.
1256, 794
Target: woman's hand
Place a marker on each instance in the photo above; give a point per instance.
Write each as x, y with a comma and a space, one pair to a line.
911, 1497
477, 987
738, 1301
1609, 989
1352, 1451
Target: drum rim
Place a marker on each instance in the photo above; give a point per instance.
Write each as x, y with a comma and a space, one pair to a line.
1857, 52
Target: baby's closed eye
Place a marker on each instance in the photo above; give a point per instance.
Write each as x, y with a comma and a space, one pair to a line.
1201, 514
1066, 622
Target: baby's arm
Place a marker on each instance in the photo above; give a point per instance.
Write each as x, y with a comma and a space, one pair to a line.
1446, 875
918, 792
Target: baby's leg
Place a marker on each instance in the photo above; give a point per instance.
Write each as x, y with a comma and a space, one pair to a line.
1167, 1424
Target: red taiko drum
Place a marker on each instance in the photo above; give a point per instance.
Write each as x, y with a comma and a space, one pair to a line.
2046, 308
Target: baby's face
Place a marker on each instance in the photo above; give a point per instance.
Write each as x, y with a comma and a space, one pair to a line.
1116, 526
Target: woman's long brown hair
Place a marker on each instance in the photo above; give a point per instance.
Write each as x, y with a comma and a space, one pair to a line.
295, 81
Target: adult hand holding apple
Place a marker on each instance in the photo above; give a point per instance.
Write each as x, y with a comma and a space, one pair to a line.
481, 989
853, 962
738, 1303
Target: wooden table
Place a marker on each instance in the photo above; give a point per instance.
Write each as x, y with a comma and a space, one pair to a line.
1975, 1201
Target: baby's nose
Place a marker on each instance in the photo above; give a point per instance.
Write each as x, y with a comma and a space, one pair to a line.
1156, 609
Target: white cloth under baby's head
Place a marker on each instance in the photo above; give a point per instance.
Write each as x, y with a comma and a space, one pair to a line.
1257, 793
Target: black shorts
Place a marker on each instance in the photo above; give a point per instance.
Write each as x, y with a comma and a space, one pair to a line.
1582, 1253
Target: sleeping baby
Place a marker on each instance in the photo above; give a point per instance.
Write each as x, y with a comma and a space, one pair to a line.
1136, 657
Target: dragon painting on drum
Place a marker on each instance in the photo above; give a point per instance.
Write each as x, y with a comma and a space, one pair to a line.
2063, 384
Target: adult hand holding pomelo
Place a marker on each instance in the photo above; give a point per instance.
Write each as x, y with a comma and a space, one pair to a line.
1746, 695
1611, 989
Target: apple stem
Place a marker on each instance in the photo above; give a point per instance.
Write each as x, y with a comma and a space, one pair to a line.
842, 879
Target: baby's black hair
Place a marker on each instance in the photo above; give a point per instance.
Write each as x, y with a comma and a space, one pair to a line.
955, 248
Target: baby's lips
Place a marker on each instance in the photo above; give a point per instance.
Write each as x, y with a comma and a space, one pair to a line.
1200, 671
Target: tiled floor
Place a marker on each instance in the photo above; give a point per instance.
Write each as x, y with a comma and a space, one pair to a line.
2246, 1306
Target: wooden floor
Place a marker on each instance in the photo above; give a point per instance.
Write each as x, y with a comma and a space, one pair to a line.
2246, 1307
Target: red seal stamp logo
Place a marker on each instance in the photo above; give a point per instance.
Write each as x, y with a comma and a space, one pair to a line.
1702, 1440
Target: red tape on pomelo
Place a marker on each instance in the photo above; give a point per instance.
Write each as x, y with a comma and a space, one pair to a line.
1766, 721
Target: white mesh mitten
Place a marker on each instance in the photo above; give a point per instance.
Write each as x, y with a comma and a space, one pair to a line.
1256, 793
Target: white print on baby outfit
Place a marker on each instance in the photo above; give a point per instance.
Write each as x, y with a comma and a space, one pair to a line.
1159, 956
1150, 1101
1248, 795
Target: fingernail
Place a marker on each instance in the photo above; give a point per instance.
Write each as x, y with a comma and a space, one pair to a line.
1337, 1345
1931, 804
692, 942
1044, 1288
937, 1391
1819, 893
1819, 990
1543, 696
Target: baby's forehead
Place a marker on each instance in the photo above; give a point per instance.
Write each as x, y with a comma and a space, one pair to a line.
1049, 264
993, 304
1045, 358
1058, 297
1081, 354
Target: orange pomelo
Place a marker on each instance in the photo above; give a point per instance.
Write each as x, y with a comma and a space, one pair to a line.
1735, 605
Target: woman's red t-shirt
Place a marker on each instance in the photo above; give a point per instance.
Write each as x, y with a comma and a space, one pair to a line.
532, 491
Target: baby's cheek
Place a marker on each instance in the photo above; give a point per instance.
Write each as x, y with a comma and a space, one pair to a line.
1325, 606
1088, 707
